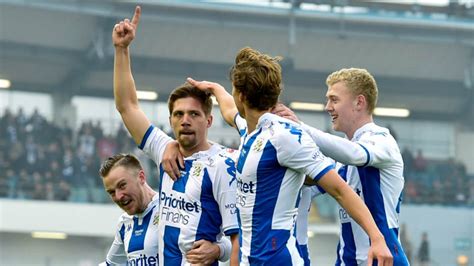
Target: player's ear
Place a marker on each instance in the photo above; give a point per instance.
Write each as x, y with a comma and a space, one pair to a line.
360, 102
142, 177
210, 118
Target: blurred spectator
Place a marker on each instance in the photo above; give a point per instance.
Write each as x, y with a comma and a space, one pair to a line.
408, 159
419, 163
424, 250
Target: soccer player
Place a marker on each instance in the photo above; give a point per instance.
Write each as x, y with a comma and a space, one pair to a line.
275, 156
136, 238
200, 205
369, 160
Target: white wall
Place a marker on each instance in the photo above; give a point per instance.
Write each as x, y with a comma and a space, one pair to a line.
24, 216
20, 249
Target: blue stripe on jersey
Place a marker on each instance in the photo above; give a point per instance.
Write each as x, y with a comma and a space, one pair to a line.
368, 155
122, 232
303, 249
180, 184
323, 172
145, 137
231, 232
349, 253
343, 172
240, 232
210, 220
270, 242
245, 151
400, 199
338, 257
370, 180
171, 252
137, 240
161, 173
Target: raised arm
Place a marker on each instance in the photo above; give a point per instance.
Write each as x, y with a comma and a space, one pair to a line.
125, 94
225, 100
333, 184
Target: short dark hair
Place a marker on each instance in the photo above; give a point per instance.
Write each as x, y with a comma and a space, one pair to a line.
258, 77
129, 161
187, 90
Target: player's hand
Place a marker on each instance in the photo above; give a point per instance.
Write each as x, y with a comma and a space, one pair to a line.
379, 251
124, 31
205, 85
203, 252
172, 160
285, 112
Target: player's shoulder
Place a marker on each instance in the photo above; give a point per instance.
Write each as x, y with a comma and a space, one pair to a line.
373, 131
124, 218
224, 155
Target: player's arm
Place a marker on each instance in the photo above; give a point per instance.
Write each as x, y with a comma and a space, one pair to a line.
125, 94
205, 252
116, 254
225, 100
340, 149
333, 184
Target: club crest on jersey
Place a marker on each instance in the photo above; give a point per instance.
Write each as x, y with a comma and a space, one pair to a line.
197, 169
156, 219
258, 145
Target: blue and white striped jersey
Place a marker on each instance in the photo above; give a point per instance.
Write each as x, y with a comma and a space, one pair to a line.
372, 165
307, 195
271, 168
136, 238
200, 204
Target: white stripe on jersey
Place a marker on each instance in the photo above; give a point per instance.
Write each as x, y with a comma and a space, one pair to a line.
200, 204
273, 162
136, 238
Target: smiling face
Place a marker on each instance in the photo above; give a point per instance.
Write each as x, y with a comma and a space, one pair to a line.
342, 107
190, 124
126, 188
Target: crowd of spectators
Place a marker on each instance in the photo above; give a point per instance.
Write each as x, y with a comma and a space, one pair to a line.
440, 182
43, 161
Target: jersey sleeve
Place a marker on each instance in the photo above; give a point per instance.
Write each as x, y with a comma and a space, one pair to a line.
225, 248
380, 147
296, 150
154, 143
224, 193
241, 124
116, 254
340, 149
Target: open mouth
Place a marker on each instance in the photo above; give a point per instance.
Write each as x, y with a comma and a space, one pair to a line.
124, 203
333, 118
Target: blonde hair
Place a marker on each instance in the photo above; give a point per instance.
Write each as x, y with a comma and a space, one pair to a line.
358, 81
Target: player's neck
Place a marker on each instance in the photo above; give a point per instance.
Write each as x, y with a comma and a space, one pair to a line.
358, 123
252, 116
188, 151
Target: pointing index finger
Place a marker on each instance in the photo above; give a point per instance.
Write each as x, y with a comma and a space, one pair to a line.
136, 16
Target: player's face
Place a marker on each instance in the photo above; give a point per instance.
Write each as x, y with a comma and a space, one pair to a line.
190, 124
125, 187
341, 105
